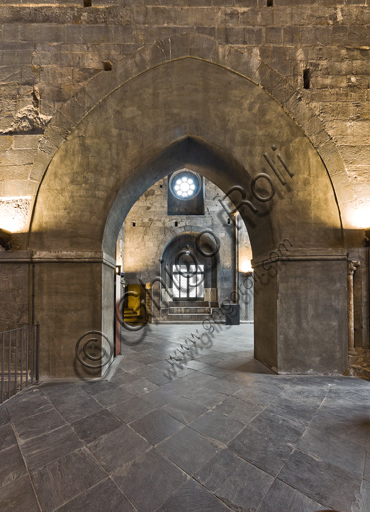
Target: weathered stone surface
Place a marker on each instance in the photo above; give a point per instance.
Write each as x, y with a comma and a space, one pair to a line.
51, 77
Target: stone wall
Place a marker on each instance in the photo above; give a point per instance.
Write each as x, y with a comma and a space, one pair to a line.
49, 50
148, 229
14, 295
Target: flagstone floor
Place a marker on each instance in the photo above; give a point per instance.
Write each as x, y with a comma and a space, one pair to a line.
222, 434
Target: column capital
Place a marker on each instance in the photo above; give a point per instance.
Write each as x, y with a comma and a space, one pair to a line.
352, 267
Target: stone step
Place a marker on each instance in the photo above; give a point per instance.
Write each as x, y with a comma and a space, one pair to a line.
191, 304
188, 311
11, 383
132, 317
358, 371
185, 318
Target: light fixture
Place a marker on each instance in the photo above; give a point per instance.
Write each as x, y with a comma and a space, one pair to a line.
361, 216
185, 184
118, 270
245, 266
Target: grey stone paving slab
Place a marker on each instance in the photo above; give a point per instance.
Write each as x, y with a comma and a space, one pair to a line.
46, 448
235, 481
157, 377
367, 467
296, 392
217, 426
145, 371
285, 402
139, 386
224, 386
205, 396
364, 498
192, 497
129, 366
214, 371
60, 481
340, 452
74, 403
118, 447
199, 379
160, 365
230, 363
210, 359
59, 389
321, 481
12, 465
39, 424
28, 404
196, 365
149, 480
7, 437
294, 409
4, 416
241, 378
121, 377
159, 397
284, 430
112, 396
19, 496
184, 410
351, 429
180, 386
255, 396
91, 428
103, 497
146, 358
254, 366
282, 497
346, 408
239, 410
132, 409
269, 385
188, 450
98, 386
156, 426
264, 450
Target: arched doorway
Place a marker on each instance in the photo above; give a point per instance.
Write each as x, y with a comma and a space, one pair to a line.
189, 272
193, 113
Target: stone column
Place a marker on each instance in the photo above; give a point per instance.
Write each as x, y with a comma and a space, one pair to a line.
352, 266
236, 221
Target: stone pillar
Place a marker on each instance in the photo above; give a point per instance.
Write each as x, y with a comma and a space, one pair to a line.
74, 297
301, 323
352, 266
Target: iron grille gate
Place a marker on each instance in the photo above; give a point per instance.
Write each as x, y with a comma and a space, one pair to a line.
20, 359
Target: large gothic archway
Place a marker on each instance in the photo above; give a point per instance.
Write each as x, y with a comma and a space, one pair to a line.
194, 113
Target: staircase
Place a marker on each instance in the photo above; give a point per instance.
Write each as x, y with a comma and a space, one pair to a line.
132, 317
359, 366
189, 311
11, 382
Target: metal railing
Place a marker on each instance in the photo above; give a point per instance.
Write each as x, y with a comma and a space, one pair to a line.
20, 359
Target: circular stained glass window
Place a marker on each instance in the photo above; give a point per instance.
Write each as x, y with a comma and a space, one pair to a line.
185, 184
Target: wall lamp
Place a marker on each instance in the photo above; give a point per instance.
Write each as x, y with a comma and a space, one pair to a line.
5, 237
118, 270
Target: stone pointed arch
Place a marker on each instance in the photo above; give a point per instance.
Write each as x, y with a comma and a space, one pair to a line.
137, 124
247, 63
